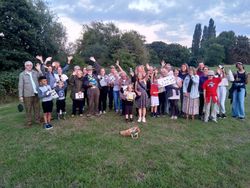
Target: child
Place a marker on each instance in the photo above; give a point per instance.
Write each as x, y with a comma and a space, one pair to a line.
128, 102
77, 95
174, 95
44, 93
210, 96
60, 103
154, 91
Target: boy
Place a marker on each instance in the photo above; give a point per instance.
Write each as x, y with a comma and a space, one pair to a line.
210, 96
60, 103
44, 93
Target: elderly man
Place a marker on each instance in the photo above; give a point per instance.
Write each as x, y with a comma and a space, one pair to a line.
28, 94
91, 83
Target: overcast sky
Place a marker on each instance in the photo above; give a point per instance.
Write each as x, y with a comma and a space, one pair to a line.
171, 21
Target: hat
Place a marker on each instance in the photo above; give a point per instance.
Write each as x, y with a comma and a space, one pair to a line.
89, 67
210, 73
20, 107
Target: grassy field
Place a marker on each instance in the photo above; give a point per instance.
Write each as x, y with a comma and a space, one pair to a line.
83, 152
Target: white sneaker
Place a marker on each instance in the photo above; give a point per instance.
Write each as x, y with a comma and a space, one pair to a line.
104, 112
139, 119
144, 120
172, 117
100, 112
175, 117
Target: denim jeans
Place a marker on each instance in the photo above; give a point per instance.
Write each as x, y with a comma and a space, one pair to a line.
117, 101
238, 109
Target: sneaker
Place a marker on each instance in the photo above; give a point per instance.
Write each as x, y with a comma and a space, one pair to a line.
241, 118
214, 120
104, 112
81, 115
139, 119
223, 116
72, 115
175, 117
100, 112
172, 117
218, 116
47, 126
144, 120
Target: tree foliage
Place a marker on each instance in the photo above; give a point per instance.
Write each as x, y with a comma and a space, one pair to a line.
28, 28
108, 44
196, 40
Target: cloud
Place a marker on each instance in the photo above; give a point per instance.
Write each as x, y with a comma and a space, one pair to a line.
144, 5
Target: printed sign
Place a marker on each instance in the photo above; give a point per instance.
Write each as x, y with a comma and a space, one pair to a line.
168, 80
79, 95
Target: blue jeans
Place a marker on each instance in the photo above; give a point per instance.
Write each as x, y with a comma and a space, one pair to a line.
238, 109
117, 101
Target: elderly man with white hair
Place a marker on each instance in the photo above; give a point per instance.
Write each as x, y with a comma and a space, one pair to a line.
28, 94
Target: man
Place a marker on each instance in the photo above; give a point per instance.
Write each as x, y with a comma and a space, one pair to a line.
91, 83
28, 94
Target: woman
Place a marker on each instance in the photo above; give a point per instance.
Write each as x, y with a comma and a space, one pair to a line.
191, 94
239, 92
182, 74
124, 81
103, 79
142, 100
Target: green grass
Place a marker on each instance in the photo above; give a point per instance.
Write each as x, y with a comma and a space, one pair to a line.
83, 152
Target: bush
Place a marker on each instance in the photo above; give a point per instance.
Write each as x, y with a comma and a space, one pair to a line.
8, 84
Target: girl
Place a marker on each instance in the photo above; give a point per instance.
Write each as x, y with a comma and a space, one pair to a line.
129, 96
174, 97
191, 94
142, 101
154, 91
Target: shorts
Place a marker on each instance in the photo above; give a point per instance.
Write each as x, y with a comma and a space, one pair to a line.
128, 107
47, 106
154, 101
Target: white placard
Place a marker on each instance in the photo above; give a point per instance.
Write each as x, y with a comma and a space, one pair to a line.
79, 95
168, 80
54, 95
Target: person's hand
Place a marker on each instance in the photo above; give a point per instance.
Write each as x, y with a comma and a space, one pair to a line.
74, 73
117, 62
92, 59
186, 94
21, 99
39, 57
163, 63
38, 67
48, 59
69, 59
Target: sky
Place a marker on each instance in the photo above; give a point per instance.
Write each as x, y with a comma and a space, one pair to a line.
170, 21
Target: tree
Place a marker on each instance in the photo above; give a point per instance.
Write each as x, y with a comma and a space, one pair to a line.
214, 55
228, 40
196, 40
241, 50
204, 36
28, 28
107, 43
211, 29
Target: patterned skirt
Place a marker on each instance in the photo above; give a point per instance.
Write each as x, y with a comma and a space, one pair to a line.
142, 101
190, 106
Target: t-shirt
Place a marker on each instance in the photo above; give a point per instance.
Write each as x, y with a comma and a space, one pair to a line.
154, 90
210, 88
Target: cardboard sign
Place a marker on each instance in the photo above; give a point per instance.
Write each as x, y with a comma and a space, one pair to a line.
54, 95
168, 80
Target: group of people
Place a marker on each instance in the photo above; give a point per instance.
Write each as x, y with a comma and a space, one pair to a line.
192, 92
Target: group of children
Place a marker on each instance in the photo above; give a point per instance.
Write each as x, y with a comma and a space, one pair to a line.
194, 91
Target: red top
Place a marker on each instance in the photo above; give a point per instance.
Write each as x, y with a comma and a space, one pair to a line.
211, 89
154, 90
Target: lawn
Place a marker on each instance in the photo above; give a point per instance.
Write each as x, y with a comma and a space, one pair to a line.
87, 152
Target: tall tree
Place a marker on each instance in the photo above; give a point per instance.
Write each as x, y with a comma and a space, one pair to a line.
196, 40
241, 50
211, 29
204, 36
